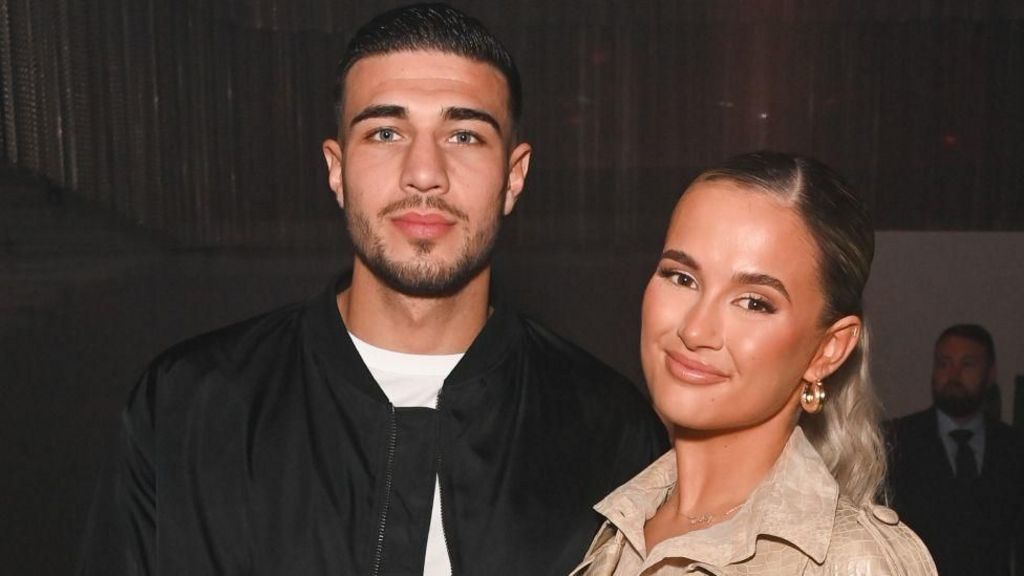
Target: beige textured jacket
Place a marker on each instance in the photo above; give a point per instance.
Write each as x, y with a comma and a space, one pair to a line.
794, 522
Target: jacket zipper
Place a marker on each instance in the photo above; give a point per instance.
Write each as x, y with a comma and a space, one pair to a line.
392, 440
440, 485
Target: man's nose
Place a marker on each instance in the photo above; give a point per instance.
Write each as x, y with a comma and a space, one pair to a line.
424, 170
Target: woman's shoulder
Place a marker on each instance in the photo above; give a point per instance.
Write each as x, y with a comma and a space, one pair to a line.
873, 540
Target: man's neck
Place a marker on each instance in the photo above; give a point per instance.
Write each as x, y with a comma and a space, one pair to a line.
380, 316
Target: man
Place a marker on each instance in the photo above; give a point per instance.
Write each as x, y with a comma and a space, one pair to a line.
956, 476
396, 424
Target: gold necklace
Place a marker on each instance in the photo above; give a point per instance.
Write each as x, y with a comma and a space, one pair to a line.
707, 517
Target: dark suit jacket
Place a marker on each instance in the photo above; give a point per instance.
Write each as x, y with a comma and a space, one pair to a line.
970, 528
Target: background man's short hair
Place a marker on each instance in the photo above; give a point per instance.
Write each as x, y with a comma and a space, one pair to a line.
975, 333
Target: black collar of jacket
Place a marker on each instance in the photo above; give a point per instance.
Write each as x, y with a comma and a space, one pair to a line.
332, 344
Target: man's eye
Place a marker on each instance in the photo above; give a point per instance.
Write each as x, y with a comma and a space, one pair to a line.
463, 137
384, 135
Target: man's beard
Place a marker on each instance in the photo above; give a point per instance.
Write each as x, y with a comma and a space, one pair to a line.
422, 278
955, 400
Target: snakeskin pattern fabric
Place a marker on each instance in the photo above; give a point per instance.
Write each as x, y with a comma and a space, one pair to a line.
795, 522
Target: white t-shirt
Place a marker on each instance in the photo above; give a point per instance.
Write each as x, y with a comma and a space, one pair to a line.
414, 381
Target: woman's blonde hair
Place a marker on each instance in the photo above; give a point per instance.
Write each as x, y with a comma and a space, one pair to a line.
846, 432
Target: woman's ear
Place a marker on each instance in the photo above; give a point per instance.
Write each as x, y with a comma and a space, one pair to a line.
836, 345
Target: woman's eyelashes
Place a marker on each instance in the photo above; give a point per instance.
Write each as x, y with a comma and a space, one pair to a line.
678, 277
756, 303
751, 302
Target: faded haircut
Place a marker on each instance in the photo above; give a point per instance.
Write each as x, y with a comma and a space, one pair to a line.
431, 27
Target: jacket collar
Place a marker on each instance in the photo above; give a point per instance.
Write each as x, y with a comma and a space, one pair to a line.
338, 358
795, 503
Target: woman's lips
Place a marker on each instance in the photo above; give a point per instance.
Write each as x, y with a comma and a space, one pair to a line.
692, 371
422, 226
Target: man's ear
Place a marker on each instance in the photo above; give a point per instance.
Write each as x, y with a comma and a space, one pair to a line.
836, 345
518, 166
333, 155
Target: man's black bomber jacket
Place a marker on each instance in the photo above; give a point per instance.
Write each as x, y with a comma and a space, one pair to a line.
266, 448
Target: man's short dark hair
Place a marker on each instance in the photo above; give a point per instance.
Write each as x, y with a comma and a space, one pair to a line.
432, 27
974, 333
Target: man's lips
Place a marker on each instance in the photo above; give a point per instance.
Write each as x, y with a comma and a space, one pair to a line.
423, 226
692, 371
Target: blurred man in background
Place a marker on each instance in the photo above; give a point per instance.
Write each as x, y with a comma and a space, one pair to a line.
956, 473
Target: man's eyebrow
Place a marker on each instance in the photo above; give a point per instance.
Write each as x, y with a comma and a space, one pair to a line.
681, 257
379, 111
762, 280
458, 113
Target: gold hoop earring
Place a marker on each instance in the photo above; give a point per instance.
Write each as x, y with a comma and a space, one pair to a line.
812, 397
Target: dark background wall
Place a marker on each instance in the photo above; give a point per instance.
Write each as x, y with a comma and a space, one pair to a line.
162, 176
203, 119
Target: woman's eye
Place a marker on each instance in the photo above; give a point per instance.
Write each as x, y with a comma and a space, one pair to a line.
463, 137
678, 278
757, 304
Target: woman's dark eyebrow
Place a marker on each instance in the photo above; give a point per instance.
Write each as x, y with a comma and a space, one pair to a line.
752, 278
762, 280
681, 257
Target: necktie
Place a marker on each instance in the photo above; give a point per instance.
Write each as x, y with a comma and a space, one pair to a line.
966, 464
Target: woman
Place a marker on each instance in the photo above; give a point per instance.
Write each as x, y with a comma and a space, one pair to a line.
755, 353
